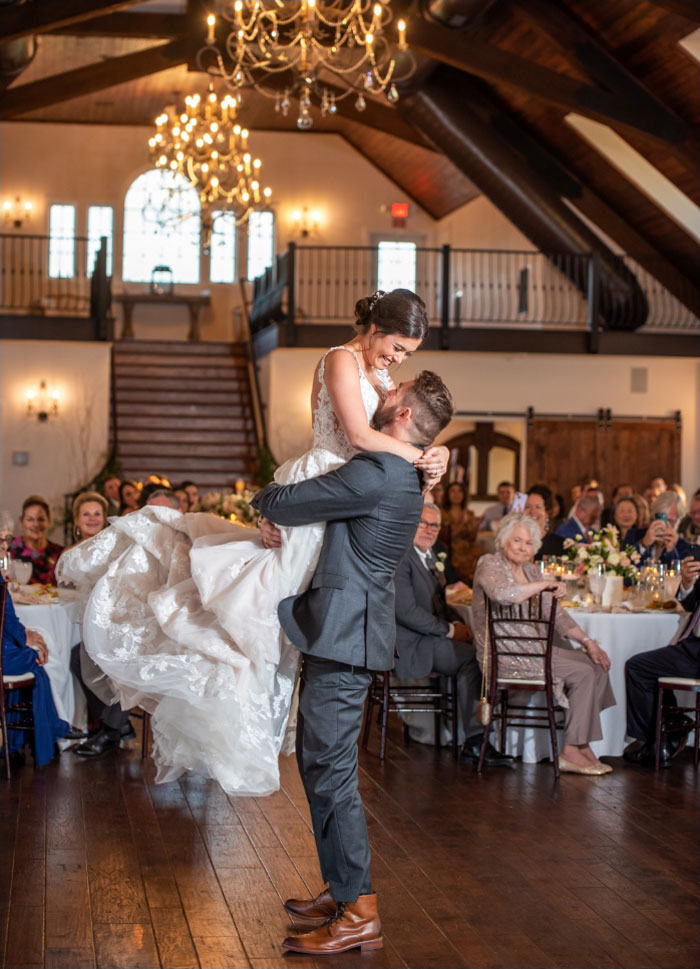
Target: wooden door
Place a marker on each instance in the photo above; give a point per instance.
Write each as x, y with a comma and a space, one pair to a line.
561, 452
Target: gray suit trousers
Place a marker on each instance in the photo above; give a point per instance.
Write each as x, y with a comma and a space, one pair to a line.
331, 704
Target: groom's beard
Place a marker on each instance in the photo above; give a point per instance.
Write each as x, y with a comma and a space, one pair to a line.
384, 416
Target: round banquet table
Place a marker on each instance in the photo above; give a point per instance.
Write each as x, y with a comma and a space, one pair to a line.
58, 623
621, 635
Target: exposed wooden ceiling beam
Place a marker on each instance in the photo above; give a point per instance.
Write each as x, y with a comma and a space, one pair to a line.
500, 67
93, 77
688, 9
146, 25
39, 16
579, 46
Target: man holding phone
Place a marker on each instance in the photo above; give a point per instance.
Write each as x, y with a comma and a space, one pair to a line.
661, 541
680, 658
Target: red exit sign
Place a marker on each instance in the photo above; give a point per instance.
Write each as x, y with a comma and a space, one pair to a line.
399, 210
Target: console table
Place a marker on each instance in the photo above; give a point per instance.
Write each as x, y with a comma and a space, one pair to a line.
193, 302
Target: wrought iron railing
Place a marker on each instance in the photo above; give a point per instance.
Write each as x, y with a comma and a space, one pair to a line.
479, 287
53, 277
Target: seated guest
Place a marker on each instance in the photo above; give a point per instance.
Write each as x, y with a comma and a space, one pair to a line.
129, 497
661, 541
458, 531
643, 509
583, 520
556, 516
623, 490
33, 545
110, 490
89, 515
192, 494
680, 658
689, 527
428, 642
658, 485
505, 494
539, 506
165, 498
625, 518
24, 651
581, 683
183, 498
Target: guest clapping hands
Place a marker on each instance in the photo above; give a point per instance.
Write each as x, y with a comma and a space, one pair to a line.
33, 544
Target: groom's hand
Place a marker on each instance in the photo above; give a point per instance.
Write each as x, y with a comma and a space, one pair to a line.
271, 535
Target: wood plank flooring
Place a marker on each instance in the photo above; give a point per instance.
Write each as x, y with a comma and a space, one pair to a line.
101, 867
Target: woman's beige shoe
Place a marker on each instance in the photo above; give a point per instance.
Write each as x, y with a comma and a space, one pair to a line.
566, 767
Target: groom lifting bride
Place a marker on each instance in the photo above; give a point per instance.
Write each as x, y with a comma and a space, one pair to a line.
344, 626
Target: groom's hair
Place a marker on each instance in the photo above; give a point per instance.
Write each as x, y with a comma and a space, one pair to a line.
431, 405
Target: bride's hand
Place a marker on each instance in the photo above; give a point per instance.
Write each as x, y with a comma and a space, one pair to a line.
271, 535
433, 462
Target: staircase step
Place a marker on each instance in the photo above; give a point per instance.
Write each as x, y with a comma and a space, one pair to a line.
175, 381
195, 409
166, 369
177, 423
177, 347
181, 466
130, 436
179, 360
183, 398
169, 449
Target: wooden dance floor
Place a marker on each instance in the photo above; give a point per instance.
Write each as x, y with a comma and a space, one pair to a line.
102, 867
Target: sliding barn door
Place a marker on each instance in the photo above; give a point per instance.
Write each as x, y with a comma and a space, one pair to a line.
560, 452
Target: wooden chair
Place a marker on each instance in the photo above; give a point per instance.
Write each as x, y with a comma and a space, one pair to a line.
393, 697
507, 625
664, 723
146, 718
23, 682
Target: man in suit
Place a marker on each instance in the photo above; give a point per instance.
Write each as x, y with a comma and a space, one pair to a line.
586, 515
428, 642
344, 625
680, 658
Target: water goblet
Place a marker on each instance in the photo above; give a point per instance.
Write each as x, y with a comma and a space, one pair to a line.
596, 581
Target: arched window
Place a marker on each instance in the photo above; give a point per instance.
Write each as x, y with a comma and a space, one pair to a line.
162, 222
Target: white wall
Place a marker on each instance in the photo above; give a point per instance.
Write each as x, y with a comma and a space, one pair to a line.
502, 382
64, 452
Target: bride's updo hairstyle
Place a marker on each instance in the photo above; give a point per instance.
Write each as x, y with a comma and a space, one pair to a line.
399, 311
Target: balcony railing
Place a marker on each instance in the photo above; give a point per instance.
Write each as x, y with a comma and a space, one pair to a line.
43, 277
485, 288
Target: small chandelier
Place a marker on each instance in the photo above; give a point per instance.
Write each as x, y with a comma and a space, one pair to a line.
309, 45
206, 145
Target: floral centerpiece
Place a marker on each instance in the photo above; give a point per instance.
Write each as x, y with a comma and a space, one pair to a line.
602, 549
234, 504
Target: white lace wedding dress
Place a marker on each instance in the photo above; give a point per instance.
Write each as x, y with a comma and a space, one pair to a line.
181, 614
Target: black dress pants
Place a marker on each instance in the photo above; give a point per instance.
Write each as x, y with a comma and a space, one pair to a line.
331, 706
641, 680
111, 715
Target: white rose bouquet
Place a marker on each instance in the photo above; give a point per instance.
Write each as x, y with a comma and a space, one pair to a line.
603, 549
234, 505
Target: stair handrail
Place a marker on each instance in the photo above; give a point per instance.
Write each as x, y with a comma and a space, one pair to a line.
253, 379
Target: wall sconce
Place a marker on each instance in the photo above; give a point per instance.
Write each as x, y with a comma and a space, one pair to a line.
17, 212
306, 223
42, 403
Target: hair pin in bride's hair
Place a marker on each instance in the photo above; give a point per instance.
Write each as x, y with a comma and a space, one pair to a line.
375, 297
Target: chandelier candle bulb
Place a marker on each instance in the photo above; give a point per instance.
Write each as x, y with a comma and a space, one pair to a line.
211, 23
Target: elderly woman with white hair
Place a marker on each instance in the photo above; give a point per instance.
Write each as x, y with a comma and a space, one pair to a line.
581, 683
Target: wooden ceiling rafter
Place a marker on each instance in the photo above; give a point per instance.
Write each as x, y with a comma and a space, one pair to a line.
578, 45
688, 9
52, 90
501, 67
146, 26
39, 18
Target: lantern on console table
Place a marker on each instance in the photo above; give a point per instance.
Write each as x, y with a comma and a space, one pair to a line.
162, 281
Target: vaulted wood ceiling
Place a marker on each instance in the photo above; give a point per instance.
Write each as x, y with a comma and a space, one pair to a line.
615, 61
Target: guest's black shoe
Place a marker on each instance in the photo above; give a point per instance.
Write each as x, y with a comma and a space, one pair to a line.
97, 745
492, 758
127, 731
644, 754
75, 733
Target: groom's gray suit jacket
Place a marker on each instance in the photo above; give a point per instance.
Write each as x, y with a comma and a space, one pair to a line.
372, 506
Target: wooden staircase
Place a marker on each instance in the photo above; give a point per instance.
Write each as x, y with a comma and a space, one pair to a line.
184, 410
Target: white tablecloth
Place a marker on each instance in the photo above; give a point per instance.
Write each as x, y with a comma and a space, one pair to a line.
621, 636
58, 624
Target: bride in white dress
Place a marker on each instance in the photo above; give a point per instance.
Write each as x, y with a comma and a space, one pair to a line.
181, 610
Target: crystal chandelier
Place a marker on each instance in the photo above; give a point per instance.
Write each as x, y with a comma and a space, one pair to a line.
327, 50
206, 145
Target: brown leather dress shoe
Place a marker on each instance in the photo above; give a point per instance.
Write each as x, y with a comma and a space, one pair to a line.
355, 924
313, 911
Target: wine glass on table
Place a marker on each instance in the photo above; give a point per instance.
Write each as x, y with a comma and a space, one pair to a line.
596, 581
